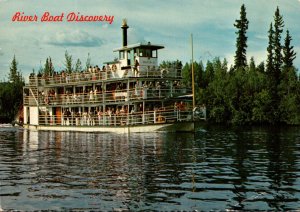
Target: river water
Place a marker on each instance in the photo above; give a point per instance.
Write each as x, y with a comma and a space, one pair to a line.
214, 169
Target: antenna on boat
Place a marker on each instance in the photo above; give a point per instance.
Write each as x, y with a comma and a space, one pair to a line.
193, 78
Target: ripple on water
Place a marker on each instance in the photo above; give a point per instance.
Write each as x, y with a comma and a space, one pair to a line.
214, 169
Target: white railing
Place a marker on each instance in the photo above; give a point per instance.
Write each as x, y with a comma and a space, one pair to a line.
86, 76
104, 119
102, 97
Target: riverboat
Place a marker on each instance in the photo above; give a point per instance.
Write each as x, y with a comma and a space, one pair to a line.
129, 94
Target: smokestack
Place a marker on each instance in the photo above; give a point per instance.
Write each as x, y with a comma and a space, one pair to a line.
124, 27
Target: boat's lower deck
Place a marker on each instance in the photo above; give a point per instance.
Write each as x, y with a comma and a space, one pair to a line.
184, 126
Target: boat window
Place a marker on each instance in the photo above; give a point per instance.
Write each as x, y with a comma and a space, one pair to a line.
148, 53
141, 52
154, 53
121, 55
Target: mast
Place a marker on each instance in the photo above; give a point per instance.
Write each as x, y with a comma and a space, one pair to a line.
193, 78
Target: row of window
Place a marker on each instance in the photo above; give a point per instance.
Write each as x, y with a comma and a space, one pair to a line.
139, 52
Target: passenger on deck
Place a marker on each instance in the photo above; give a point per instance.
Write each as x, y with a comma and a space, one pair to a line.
56, 77
118, 116
136, 67
75, 98
141, 108
181, 106
109, 114
132, 110
137, 89
99, 114
91, 95
87, 76
77, 118
63, 77
91, 120
82, 76
117, 112
98, 69
84, 118
68, 77
95, 94
66, 118
175, 106
122, 111
77, 76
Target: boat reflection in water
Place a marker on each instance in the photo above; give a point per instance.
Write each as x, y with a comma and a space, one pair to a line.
75, 164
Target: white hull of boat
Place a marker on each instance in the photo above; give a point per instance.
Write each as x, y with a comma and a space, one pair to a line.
167, 127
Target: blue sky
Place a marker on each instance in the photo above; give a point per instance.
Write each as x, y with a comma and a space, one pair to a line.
168, 22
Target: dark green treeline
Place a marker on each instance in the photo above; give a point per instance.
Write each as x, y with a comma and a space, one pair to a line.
11, 94
248, 93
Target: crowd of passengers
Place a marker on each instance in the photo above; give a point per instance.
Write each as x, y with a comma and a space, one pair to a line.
90, 95
96, 117
92, 73
113, 115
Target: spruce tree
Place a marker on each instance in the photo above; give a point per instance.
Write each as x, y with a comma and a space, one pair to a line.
51, 68
289, 88
78, 66
13, 71
270, 50
274, 65
68, 62
46, 68
252, 66
288, 53
278, 28
11, 95
88, 62
240, 59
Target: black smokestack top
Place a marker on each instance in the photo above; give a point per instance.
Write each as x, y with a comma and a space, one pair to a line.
124, 27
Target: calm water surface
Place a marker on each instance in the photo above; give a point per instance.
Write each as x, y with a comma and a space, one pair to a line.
213, 169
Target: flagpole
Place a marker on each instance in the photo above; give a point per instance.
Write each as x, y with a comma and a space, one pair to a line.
193, 79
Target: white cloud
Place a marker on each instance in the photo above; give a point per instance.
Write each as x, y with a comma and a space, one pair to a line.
74, 38
259, 56
262, 36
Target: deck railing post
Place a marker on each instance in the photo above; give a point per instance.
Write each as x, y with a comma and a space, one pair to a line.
143, 118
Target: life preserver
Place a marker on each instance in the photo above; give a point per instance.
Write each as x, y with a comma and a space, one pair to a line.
160, 119
114, 67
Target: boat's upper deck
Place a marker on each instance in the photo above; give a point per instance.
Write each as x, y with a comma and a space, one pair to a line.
96, 75
138, 60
